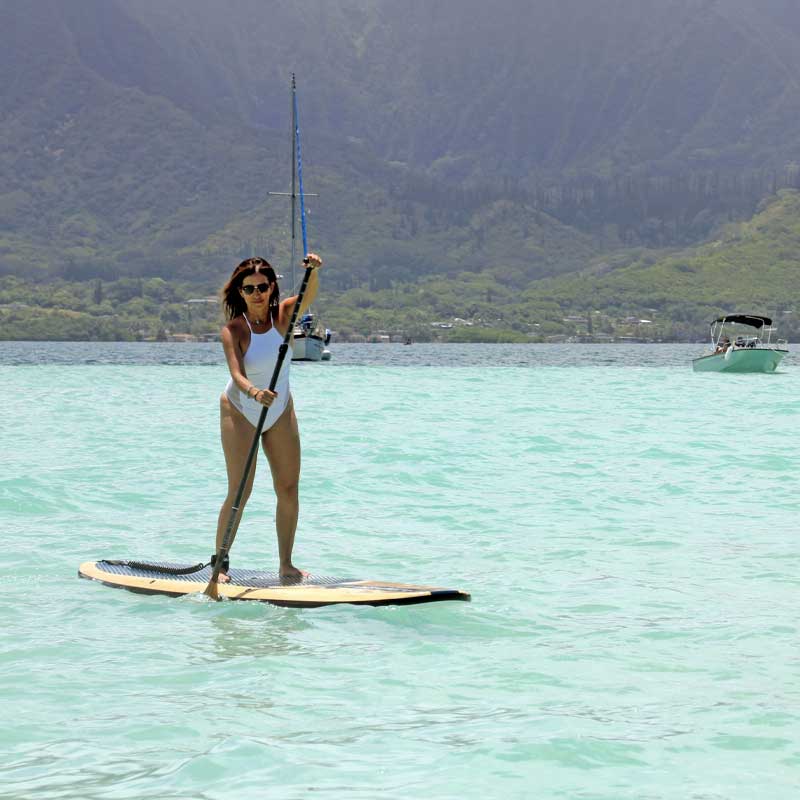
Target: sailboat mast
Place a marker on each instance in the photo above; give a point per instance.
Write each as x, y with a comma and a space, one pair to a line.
294, 176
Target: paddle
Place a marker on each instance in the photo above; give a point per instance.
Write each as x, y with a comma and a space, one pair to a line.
212, 590
227, 540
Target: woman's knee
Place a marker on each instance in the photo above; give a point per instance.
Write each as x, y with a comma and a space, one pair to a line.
286, 488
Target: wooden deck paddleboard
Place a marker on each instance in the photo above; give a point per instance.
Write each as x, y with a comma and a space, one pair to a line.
266, 587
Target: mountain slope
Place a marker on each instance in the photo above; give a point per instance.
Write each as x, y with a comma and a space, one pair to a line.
751, 266
519, 86
495, 145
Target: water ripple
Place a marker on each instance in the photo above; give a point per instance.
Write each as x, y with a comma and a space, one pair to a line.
630, 548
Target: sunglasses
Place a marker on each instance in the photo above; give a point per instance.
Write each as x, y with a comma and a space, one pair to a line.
263, 288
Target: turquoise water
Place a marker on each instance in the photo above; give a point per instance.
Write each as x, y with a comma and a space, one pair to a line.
627, 528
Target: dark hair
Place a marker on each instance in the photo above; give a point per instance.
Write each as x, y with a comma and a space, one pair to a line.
232, 301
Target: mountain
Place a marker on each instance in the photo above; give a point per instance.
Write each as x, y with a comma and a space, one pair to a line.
513, 142
519, 87
116, 165
751, 266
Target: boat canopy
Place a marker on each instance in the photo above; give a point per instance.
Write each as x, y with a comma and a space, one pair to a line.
753, 320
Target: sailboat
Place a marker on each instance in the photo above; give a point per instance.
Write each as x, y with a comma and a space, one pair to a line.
310, 337
311, 340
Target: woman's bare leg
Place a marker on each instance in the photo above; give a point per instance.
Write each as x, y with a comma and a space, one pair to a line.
237, 438
282, 447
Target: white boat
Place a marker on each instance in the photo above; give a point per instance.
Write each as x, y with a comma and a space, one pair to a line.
745, 352
310, 340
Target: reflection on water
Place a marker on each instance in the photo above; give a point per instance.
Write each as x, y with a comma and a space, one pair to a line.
257, 631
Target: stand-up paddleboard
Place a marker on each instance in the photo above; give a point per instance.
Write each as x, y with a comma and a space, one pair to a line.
252, 584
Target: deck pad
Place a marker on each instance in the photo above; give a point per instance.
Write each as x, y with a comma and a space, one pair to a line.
266, 587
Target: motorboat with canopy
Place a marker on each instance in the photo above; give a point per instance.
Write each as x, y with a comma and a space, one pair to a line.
742, 343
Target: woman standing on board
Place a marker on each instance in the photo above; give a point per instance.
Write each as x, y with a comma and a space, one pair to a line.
258, 320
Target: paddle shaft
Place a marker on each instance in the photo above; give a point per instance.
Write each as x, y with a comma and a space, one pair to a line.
227, 539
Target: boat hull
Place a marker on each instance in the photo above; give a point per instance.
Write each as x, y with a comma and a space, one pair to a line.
307, 348
758, 359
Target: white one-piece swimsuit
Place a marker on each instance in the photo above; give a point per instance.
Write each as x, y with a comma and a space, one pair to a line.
259, 364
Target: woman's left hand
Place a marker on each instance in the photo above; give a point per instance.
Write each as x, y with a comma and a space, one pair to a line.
313, 260
265, 397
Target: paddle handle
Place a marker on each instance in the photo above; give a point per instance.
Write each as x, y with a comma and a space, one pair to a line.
227, 539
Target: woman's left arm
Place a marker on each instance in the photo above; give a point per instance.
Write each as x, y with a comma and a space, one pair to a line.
287, 305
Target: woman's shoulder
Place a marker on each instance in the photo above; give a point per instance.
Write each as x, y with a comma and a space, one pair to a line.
235, 328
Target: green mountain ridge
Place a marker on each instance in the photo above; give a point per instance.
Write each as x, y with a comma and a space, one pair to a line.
752, 266
517, 87
450, 144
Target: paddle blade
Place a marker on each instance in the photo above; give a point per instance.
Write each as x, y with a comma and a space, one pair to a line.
212, 590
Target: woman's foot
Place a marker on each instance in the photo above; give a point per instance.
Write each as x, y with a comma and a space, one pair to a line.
290, 574
223, 576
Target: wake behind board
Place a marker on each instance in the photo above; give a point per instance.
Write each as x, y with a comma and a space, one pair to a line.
253, 584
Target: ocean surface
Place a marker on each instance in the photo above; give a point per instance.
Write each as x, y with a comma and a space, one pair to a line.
628, 531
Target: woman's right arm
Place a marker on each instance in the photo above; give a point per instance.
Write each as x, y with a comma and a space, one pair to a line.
235, 359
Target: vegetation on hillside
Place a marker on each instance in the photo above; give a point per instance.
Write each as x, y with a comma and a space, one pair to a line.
748, 266
752, 266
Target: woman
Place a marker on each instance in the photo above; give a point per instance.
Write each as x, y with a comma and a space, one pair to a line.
258, 320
